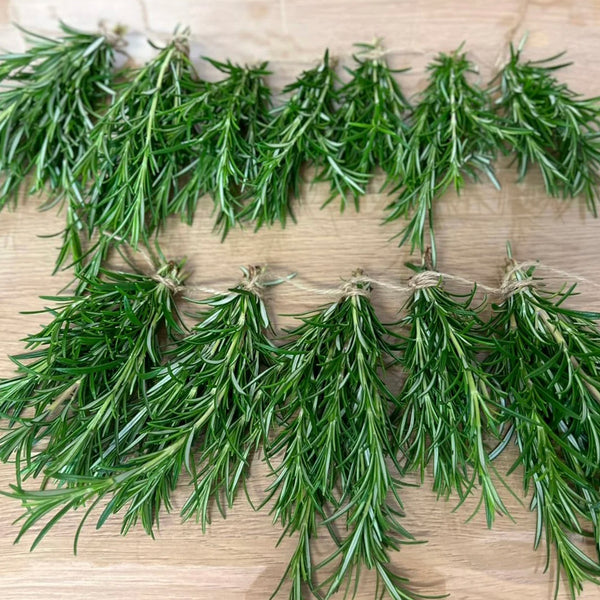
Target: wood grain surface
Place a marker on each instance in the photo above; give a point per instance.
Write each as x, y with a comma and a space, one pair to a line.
239, 557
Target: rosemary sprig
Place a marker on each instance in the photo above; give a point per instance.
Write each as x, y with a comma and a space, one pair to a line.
229, 117
202, 413
370, 122
84, 372
546, 358
48, 102
447, 400
563, 139
130, 173
453, 134
336, 432
301, 131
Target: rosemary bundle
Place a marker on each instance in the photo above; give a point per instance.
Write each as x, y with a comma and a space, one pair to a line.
336, 434
229, 117
301, 131
83, 374
370, 121
562, 127
546, 358
201, 412
453, 134
447, 403
48, 103
130, 173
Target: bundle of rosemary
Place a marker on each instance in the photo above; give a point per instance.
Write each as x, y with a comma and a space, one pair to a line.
370, 127
546, 359
228, 118
446, 406
301, 131
48, 103
562, 128
453, 133
335, 435
200, 412
128, 176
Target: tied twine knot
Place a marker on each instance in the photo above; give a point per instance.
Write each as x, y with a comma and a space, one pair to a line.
358, 285
375, 52
424, 279
114, 35
252, 281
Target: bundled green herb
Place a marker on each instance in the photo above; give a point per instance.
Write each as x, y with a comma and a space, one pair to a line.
83, 375
336, 434
547, 359
130, 173
48, 102
563, 139
453, 134
229, 117
370, 122
448, 403
301, 131
201, 412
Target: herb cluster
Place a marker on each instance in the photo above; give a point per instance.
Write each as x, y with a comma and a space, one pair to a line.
129, 149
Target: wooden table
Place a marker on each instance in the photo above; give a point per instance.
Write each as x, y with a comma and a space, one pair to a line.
238, 558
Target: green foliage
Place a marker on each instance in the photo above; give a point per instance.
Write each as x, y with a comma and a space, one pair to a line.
453, 133
301, 131
83, 375
49, 99
200, 413
448, 403
130, 173
228, 119
562, 127
335, 434
370, 122
546, 357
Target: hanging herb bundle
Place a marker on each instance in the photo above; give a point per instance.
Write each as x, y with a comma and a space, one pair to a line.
83, 374
562, 127
229, 117
336, 433
48, 102
130, 173
301, 131
370, 122
546, 358
453, 134
447, 403
201, 411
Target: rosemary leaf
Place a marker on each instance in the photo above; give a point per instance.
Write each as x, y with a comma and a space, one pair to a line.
48, 102
546, 358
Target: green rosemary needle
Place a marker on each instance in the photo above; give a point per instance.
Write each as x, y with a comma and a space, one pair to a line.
229, 117
453, 134
562, 127
48, 102
447, 400
130, 173
301, 131
201, 412
84, 372
336, 434
370, 121
547, 359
